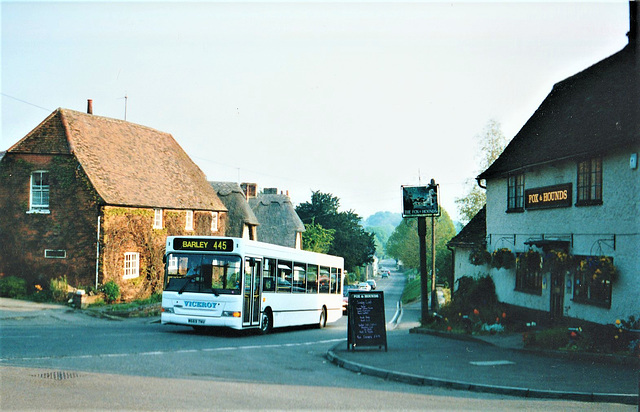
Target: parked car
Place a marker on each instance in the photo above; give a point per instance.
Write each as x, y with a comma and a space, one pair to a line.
345, 297
372, 283
364, 286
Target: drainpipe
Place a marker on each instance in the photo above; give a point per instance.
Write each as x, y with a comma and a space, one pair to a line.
478, 181
98, 251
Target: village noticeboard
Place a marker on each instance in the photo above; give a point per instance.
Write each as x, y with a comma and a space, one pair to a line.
367, 325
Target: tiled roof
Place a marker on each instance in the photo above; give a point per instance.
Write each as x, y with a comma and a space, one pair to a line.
240, 213
128, 164
278, 219
590, 112
474, 233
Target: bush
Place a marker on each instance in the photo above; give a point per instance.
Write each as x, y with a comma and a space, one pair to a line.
552, 339
13, 287
59, 289
111, 291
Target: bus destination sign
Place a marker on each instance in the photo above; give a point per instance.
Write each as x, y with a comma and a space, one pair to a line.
210, 245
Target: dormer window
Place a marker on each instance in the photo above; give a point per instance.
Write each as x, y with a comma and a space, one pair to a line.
39, 198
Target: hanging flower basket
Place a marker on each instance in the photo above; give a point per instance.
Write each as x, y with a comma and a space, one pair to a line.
503, 258
557, 261
531, 261
599, 268
479, 256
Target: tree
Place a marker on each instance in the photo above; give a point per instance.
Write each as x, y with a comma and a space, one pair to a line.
316, 238
351, 240
404, 245
491, 143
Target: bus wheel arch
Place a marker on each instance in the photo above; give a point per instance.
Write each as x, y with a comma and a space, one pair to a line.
322, 322
266, 321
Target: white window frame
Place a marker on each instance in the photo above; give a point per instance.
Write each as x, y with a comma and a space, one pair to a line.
131, 265
188, 225
214, 221
55, 254
157, 218
43, 190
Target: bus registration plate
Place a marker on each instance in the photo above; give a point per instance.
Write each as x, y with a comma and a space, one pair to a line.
196, 321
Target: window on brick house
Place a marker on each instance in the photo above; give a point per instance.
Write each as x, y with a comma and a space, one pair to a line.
515, 193
131, 265
39, 197
214, 221
157, 218
189, 220
589, 182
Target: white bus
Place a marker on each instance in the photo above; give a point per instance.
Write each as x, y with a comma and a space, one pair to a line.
243, 284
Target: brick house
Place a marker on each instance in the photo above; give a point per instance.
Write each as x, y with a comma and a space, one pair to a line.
93, 199
564, 199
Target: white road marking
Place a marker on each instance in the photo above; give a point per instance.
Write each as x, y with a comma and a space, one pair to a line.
156, 353
492, 363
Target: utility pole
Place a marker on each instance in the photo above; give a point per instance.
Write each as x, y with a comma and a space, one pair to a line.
424, 284
434, 299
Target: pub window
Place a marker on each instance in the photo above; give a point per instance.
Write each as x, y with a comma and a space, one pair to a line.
131, 265
214, 221
188, 225
157, 218
515, 193
589, 182
527, 280
39, 199
592, 286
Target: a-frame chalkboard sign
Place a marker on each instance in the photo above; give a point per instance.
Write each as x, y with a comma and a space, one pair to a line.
366, 326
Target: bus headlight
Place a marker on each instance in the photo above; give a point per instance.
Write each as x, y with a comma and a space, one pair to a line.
231, 314
167, 310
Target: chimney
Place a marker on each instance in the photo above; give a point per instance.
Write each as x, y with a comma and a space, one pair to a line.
249, 190
634, 21
90, 106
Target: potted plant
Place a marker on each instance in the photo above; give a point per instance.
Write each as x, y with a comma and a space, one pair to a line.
479, 256
557, 261
502, 258
599, 268
531, 260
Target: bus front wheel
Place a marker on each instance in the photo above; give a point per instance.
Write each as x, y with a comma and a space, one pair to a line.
323, 318
266, 322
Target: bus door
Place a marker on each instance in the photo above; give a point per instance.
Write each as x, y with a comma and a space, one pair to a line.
252, 292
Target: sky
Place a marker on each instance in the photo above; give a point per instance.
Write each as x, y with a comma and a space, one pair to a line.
351, 98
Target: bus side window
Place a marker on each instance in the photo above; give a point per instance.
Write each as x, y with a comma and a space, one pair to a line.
269, 275
334, 277
299, 277
312, 279
324, 279
283, 282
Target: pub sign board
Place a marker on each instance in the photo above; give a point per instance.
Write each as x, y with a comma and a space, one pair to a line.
420, 201
366, 325
548, 197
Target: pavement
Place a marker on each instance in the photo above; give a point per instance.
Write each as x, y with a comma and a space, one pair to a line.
494, 364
